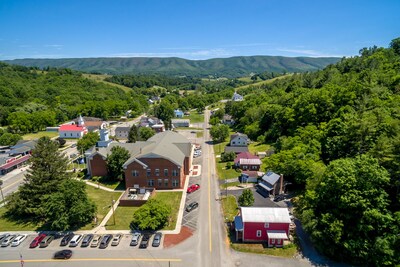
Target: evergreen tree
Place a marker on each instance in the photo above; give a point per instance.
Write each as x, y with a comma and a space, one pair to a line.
48, 169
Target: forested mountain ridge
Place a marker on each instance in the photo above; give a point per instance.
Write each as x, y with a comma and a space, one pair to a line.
337, 137
220, 67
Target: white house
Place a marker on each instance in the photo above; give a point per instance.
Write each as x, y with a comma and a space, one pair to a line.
239, 139
237, 97
73, 130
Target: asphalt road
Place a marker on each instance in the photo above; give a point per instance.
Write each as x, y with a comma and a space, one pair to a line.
208, 247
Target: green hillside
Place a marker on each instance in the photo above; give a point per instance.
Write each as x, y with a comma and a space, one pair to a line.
222, 67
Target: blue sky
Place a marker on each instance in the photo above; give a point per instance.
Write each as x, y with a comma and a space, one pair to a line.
194, 29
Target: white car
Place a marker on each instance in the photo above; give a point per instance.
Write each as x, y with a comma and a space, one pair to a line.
18, 240
7, 241
75, 240
116, 240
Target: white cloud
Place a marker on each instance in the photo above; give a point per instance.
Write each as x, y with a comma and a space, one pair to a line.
54, 45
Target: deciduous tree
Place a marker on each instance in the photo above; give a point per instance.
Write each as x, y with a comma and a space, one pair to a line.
115, 160
151, 216
246, 199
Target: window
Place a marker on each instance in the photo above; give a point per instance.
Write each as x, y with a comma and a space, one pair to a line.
135, 173
272, 241
157, 172
233, 142
166, 182
254, 167
65, 134
266, 225
148, 172
174, 173
165, 172
150, 183
278, 241
174, 183
159, 182
71, 134
258, 233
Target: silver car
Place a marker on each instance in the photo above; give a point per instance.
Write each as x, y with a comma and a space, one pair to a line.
115, 241
135, 239
7, 241
95, 241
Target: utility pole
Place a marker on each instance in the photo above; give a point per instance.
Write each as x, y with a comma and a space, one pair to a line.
112, 205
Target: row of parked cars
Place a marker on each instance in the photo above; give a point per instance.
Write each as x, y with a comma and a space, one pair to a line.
73, 240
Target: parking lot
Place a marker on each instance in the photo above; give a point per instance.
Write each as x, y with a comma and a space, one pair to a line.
55, 245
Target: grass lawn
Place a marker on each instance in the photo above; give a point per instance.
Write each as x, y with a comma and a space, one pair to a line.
230, 207
258, 147
195, 117
102, 199
112, 184
37, 135
8, 225
100, 78
224, 173
124, 215
225, 185
288, 251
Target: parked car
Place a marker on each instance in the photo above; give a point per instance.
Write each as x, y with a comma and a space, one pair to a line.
192, 206
116, 240
145, 241
63, 254
3, 236
75, 240
157, 240
193, 188
7, 241
86, 240
66, 239
105, 241
135, 239
279, 198
46, 241
18, 240
95, 241
35, 242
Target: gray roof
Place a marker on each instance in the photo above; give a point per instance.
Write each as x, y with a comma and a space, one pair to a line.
122, 128
236, 149
169, 145
238, 134
271, 178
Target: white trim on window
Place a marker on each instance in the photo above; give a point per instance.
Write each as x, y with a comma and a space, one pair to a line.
258, 233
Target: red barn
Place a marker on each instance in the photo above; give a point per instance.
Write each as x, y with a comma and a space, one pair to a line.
263, 225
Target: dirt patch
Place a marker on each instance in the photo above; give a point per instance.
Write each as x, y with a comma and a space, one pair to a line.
172, 240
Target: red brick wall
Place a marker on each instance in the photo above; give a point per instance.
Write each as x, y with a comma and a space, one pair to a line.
154, 163
98, 166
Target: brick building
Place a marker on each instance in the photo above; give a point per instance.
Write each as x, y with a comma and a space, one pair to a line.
162, 162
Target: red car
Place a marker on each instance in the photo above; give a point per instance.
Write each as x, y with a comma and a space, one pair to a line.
193, 188
35, 242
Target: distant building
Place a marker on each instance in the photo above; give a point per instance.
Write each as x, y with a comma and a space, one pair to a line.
18, 156
239, 139
73, 130
228, 120
155, 123
178, 113
269, 183
180, 123
237, 97
92, 124
122, 132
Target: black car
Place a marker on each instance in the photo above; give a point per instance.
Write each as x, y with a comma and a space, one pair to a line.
192, 206
105, 241
157, 240
279, 198
145, 241
63, 254
66, 239
86, 240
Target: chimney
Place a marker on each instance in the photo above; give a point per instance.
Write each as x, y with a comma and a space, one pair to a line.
281, 185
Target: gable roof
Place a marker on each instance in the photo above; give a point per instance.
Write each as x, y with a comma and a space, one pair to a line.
271, 177
122, 129
245, 155
72, 128
263, 215
236, 149
233, 136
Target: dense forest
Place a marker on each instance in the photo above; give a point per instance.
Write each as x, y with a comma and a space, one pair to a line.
31, 99
217, 67
336, 135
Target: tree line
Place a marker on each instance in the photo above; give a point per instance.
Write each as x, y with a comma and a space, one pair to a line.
336, 136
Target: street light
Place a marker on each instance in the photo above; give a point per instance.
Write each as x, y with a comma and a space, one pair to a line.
1, 190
